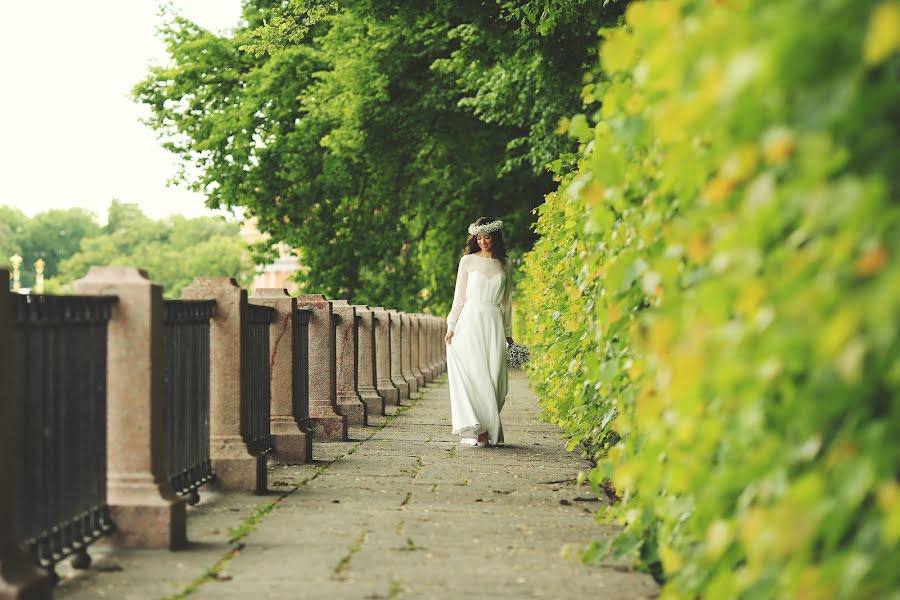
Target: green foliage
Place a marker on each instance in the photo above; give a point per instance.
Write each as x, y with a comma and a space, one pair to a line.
717, 283
51, 235
369, 135
172, 252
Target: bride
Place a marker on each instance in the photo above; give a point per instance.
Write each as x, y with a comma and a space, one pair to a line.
478, 322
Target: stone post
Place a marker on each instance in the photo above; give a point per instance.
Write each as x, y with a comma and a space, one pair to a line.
442, 345
436, 344
383, 383
20, 579
406, 353
425, 348
366, 383
397, 354
291, 440
415, 350
229, 383
349, 401
144, 507
327, 422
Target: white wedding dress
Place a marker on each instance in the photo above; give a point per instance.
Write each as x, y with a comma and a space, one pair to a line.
480, 320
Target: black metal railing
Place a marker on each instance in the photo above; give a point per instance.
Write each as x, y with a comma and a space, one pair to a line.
59, 362
301, 367
186, 378
255, 409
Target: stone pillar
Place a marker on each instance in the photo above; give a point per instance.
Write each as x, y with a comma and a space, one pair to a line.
20, 579
436, 344
327, 422
144, 507
442, 345
425, 348
383, 383
397, 354
349, 401
229, 382
366, 383
405, 353
290, 438
415, 350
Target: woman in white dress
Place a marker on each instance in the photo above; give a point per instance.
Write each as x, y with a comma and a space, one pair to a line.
479, 327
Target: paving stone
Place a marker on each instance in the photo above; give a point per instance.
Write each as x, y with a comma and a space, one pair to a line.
399, 511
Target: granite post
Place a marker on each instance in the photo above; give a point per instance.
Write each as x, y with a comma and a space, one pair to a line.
291, 440
229, 382
349, 401
145, 509
397, 355
327, 422
383, 381
366, 383
425, 348
406, 353
415, 350
442, 345
20, 579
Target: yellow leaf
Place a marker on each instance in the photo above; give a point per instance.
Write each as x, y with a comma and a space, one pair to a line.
872, 261
619, 51
883, 37
778, 145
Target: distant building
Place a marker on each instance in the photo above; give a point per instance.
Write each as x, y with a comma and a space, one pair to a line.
277, 274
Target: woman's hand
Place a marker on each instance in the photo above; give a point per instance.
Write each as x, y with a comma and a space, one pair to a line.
448, 337
510, 341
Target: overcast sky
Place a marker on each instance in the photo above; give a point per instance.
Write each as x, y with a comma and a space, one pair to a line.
69, 135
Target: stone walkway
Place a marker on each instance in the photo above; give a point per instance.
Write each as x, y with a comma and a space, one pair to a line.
403, 511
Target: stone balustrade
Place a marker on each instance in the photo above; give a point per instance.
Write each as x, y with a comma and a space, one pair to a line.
332, 364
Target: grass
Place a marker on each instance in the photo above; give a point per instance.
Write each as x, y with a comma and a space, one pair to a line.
345, 561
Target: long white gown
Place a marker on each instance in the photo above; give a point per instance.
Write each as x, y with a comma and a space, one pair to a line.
480, 320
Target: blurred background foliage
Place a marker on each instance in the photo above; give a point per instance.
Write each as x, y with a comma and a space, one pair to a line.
173, 251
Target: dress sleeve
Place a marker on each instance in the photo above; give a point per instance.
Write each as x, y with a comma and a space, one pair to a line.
459, 295
506, 304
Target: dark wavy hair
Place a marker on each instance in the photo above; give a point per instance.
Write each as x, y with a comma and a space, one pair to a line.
498, 248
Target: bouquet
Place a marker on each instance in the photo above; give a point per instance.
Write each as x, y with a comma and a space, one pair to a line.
517, 355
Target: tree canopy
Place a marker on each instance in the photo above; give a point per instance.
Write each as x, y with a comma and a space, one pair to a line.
369, 134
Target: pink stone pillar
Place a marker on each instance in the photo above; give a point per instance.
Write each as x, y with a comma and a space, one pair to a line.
383, 383
405, 353
434, 344
425, 348
442, 345
415, 350
144, 507
366, 383
229, 383
349, 401
327, 422
20, 579
291, 440
397, 355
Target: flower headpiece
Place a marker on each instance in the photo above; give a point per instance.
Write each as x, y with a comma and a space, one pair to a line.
485, 227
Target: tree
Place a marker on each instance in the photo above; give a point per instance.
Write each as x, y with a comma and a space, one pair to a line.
371, 142
12, 220
172, 252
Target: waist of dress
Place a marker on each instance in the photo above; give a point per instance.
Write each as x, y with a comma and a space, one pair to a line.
482, 303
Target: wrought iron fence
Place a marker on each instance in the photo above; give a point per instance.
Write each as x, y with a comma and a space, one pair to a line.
255, 416
60, 358
301, 368
186, 377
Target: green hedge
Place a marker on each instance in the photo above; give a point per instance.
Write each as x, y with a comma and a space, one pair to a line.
717, 282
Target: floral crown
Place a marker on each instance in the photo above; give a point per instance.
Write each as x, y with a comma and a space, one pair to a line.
485, 227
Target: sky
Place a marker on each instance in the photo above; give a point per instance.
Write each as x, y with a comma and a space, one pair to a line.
69, 134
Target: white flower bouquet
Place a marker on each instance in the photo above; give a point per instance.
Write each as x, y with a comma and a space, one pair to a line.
517, 355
